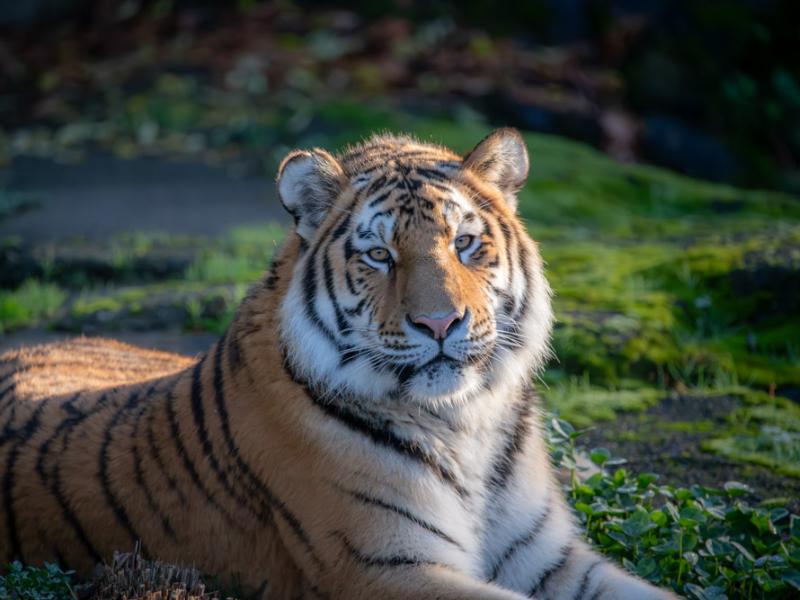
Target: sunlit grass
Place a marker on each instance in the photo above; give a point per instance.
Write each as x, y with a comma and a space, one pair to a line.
34, 302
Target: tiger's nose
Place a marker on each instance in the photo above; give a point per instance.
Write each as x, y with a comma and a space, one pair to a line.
436, 327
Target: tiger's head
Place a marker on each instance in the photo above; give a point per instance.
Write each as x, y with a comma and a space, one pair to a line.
414, 278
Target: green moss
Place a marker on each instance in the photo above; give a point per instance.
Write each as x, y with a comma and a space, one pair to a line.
88, 305
191, 305
701, 426
240, 257
582, 403
771, 446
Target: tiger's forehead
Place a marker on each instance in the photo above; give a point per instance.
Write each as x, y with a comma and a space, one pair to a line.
407, 204
387, 153
401, 184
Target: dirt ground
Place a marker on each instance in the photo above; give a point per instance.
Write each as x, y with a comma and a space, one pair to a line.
103, 195
668, 439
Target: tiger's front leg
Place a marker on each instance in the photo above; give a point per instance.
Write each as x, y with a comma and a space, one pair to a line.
581, 573
537, 549
421, 582
358, 545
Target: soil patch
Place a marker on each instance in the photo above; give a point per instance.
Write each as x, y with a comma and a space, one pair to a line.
667, 439
103, 195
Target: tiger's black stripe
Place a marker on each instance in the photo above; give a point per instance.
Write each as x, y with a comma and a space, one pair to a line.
224, 423
522, 541
53, 482
403, 513
512, 265
188, 465
597, 592
586, 579
198, 413
388, 439
310, 297
105, 483
383, 561
563, 557
341, 321
139, 475
504, 464
234, 350
383, 437
155, 454
522, 307
272, 499
24, 435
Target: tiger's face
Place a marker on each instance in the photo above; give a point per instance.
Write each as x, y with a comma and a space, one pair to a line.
415, 279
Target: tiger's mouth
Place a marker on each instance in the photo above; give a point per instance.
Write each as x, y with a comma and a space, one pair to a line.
440, 359
444, 375
445, 360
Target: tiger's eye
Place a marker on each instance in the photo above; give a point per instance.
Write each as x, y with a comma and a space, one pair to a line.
463, 242
379, 254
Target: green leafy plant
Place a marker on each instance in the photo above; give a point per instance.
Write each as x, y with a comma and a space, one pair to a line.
36, 583
702, 542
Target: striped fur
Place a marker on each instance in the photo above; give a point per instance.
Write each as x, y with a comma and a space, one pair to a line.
327, 446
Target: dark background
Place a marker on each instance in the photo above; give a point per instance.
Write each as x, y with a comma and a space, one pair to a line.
708, 88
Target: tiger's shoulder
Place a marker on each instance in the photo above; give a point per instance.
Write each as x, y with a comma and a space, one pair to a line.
82, 364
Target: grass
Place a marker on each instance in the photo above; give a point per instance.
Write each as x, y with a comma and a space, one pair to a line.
29, 304
241, 257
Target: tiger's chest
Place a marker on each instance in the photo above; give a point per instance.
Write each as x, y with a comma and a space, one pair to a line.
467, 489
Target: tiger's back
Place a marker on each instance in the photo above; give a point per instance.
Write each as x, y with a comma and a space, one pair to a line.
81, 364
47, 392
98, 453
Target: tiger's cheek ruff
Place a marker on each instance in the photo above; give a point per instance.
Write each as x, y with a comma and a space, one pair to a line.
527, 327
316, 351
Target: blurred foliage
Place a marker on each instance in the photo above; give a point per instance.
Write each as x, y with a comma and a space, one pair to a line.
30, 304
201, 78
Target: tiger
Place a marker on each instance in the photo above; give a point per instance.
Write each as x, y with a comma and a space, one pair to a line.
365, 427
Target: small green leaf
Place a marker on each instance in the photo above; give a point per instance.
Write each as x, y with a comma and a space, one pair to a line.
735, 488
562, 427
599, 456
659, 518
637, 524
743, 551
792, 577
646, 479
794, 527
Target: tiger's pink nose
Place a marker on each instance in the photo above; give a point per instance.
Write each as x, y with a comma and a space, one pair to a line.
438, 327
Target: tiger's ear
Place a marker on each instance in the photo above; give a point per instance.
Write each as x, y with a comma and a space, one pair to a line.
501, 160
308, 184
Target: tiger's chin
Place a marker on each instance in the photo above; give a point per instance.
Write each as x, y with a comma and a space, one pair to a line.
443, 381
